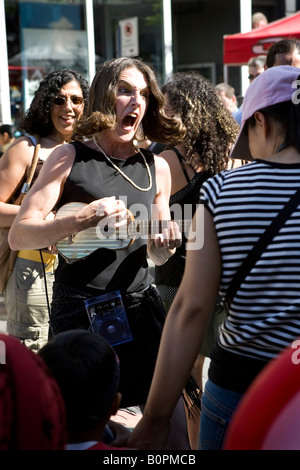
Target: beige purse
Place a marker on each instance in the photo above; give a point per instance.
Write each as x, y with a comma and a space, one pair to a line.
7, 256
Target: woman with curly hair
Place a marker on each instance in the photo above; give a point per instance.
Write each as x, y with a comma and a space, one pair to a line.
58, 103
203, 152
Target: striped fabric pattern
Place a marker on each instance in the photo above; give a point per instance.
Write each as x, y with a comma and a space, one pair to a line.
264, 316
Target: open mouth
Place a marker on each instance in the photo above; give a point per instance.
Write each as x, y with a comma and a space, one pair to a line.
129, 121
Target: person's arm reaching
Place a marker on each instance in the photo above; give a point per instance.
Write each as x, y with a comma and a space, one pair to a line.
182, 336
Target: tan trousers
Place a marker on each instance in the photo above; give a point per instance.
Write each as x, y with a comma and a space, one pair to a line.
26, 301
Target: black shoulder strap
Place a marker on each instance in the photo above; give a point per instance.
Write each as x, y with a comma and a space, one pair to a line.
261, 244
180, 158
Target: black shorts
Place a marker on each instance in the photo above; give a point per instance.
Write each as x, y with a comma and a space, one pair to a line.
146, 316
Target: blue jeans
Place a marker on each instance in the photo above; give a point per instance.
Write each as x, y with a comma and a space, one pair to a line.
218, 405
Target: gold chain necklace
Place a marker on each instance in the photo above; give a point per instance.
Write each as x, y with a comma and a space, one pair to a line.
123, 174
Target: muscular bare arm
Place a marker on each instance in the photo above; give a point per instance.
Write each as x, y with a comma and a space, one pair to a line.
31, 228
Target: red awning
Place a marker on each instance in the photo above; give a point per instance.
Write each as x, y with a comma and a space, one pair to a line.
239, 48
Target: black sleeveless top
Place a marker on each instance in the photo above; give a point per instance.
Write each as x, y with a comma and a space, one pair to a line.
170, 274
92, 177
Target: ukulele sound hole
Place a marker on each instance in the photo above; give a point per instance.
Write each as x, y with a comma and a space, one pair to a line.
107, 231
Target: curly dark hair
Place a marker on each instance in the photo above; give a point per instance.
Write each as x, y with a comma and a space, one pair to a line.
102, 113
37, 119
210, 129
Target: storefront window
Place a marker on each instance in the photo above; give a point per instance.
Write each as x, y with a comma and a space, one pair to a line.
44, 35
149, 20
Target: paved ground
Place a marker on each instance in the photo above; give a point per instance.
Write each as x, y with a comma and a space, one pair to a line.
130, 417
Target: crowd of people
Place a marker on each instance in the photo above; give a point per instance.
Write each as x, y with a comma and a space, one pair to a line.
82, 302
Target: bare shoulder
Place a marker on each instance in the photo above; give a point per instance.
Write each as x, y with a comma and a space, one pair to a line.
63, 155
174, 164
163, 175
168, 155
161, 163
19, 153
57, 167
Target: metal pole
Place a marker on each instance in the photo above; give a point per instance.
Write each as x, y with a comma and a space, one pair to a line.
167, 32
5, 113
225, 73
89, 15
290, 7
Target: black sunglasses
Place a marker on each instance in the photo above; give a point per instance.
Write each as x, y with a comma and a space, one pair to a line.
61, 100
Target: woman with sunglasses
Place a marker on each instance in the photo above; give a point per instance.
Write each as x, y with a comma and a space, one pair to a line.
58, 103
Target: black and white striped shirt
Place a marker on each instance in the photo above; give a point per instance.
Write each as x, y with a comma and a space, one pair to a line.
264, 316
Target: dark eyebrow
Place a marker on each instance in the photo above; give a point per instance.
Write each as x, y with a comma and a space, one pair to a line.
66, 94
124, 82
